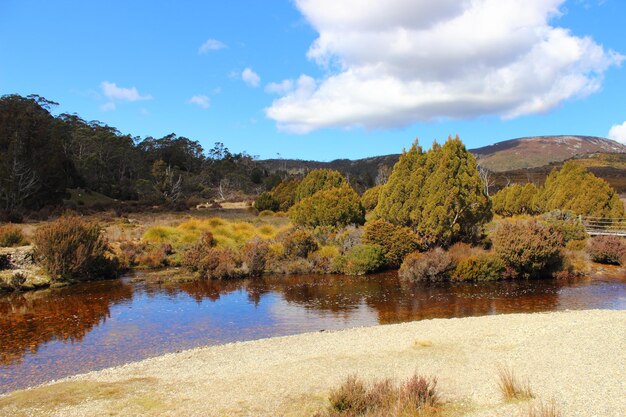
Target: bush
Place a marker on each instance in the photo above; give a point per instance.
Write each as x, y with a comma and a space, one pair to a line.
434, 265
528, 247
297, 243
486, 267
220, 264
369, 199
395, 241
154, 258
417, 396
285, 193
73, 249
335, 207
266, 213
129, 253
607, 250
319, 180
267, 201
254, 256
11, 235
516, 199
193, 256
362, 259
566, 223
324, 259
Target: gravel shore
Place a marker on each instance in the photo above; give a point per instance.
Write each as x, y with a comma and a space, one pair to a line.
576, 359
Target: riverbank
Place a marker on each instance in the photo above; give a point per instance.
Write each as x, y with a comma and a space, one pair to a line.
574, 358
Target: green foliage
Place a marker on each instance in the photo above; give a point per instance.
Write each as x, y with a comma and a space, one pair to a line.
607, 250
439, 194
484, 267
11, 235
516, 199
297, 243
324, 259
433, 265
567, 224
576, 189
285, 193
528, 247
361, 259
334, 207
266, 201
395, 241
369, 199
319, 180
72, 249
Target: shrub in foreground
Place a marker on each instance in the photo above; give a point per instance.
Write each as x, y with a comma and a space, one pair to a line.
417, 396
335, 207
361, 259
567, 224
528, 247
297, 243
193, 256
254, 256
395, 241
433, 265
72, 249
484, 267
607, 250
11, 235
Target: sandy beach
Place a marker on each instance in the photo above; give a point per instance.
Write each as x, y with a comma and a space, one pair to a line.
576, 359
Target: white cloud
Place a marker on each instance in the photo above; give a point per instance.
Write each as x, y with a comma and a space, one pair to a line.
394, 62
201, 101
618, 133
109, 106
250, 77
211, 45
113, 92
283, 87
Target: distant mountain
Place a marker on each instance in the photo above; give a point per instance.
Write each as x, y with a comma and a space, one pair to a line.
538, 151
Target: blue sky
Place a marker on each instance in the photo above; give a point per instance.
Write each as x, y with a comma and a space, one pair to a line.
321, 79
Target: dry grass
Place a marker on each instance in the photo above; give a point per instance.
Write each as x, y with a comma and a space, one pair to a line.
511, 387
543, 410
415, 397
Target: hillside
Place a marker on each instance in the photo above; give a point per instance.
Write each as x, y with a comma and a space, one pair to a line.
538, 151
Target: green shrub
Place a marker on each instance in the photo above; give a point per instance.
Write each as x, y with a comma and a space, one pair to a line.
567, 224
267, 201
297, 243
254, 256
11, 235
434, 265
369, 199
362, 259
72, 249
607, 250
395, 241
335, 207
266, 213
324, 259
319, 180
528, 247
285, 193
516, 199
486, 267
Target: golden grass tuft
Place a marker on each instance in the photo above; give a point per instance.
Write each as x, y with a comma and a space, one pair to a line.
511, 387
422, 343
543, 410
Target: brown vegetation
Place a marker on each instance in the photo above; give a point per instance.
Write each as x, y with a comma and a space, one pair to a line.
511, 387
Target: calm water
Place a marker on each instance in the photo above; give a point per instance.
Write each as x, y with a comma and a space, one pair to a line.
50, 334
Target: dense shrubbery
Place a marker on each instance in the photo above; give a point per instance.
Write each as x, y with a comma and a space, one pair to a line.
72, 249
369, 199
319, 180
439, 194
334, 207
528, 247
576, 189
433, 265
297, 243
324, 260
395, 241
254, 256
567, 224
484, 267
11, 235
361, 259
607, 250
285, 193
516, 199
266, 201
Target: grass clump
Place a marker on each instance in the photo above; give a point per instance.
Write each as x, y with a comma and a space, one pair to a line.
416, 397
543, 410
11, 235
511, 387
71, 248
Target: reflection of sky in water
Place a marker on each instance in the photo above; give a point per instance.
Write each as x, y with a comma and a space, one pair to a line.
148, 320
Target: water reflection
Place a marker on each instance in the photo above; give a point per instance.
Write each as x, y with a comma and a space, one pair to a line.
46, 335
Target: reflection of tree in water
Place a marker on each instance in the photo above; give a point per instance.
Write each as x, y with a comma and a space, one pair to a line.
30, 319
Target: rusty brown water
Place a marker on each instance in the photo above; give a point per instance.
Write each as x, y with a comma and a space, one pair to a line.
50, 334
